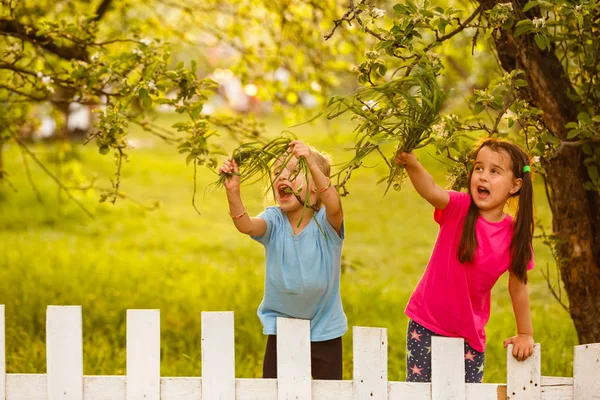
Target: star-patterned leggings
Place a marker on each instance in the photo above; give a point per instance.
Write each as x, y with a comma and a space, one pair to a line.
418, 356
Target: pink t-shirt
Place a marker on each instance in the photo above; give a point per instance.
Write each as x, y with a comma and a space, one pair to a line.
453, 299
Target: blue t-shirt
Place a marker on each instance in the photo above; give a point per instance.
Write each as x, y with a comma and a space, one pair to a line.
303, 275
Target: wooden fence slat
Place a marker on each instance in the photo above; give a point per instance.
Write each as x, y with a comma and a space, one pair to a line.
293, 359
586, 372
523, 378
218, 356
447, 368
409, 390
370, 376
181, 389
2, 355
485, 391
26, 386
105, 387
64, 352
326, 390
143, 354
256, 389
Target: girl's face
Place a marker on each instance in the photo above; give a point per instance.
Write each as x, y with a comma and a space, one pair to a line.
493, 182
289, 178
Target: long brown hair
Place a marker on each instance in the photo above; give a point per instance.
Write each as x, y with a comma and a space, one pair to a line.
520, 245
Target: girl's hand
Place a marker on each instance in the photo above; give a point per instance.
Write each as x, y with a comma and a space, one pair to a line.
406, 159
299, 149
522, 346
232, 183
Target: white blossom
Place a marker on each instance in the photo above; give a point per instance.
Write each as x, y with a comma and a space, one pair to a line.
39, 74
146, 41
372, 54
95, 57
377, 13
151, 85
536, 159
369, 105
138, 52
440, 129
507, 6
539, 22
46, 80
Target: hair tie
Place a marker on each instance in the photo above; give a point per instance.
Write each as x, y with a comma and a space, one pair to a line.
526, 168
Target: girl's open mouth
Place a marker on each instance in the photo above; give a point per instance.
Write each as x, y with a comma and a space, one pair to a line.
483, 192
285, 192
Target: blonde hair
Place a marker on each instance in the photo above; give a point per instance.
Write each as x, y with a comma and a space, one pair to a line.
323, 161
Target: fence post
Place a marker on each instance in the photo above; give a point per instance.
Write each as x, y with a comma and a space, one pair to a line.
447, 368
2, 355
586, 372
523, 379
64, 353
370, 376
218, 356
293, 359
143, 354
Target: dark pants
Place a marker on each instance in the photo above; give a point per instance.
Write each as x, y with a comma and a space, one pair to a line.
325, 359
418, 356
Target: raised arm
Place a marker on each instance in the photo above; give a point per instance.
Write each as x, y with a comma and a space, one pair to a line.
329, 196
238, 212
523, 342
423, 181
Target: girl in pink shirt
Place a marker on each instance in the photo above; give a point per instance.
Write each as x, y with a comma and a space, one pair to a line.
477, 242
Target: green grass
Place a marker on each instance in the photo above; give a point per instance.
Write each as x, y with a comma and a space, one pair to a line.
183, 263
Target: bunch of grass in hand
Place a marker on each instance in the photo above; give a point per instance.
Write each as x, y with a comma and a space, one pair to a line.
256, 161
398, 114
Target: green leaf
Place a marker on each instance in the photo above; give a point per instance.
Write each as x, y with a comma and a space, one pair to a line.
540, 40
593, 172
145, 98
384, 45
529, 6
573, 133
585, 118
523, 29
524, 22
442, 26
382, 69
104, 149
521, 83
478, 108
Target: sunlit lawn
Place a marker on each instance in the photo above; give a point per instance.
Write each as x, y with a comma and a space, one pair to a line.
183, 263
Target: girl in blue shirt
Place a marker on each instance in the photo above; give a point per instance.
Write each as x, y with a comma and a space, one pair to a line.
303, 255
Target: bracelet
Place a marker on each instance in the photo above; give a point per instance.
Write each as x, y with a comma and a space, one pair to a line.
240, 215
326, 187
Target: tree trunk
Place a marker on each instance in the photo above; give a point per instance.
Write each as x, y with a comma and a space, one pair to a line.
1, 159
575, 210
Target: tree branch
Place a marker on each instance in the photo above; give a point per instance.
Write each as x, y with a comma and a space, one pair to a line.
10, 27
460, 28
102, 9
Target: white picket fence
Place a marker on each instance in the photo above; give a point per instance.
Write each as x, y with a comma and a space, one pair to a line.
64, 379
